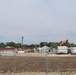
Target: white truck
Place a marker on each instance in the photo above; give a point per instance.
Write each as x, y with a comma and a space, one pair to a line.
73, 50
62, 50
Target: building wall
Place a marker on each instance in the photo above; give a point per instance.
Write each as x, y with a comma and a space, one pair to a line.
6, 51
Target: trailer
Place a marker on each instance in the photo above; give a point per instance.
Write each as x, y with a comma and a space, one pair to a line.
62, 50
73, 50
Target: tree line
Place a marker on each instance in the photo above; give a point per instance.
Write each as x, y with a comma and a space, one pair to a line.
41, 44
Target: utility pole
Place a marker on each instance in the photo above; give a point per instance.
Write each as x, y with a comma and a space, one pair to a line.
14, 62
46, 63
22, 42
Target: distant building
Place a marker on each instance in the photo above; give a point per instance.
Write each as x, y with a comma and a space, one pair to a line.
47, 49
7, 49
44, 49
29, 50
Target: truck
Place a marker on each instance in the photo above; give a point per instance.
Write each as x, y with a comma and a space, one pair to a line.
73, 50
62, 50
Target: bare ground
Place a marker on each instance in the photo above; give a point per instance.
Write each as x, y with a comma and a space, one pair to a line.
37, 64
40, 73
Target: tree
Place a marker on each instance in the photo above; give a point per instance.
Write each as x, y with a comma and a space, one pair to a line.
18, 45
2, 45
53, 44
32, 45
11, 44
43, 44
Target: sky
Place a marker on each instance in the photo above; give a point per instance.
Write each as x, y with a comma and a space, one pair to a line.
37, 21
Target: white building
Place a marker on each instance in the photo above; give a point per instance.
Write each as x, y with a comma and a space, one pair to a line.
44, 49
8, 50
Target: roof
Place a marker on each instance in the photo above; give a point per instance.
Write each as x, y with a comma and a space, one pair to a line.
46, 47
13, 48
7, 48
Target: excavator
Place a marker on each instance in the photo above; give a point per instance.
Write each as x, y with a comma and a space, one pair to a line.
63, 42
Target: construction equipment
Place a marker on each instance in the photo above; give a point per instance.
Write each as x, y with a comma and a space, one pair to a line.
62, 49
63, 42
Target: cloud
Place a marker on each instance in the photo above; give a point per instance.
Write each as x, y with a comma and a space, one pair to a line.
38, 20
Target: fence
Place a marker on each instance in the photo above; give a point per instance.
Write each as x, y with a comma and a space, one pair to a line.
37, 64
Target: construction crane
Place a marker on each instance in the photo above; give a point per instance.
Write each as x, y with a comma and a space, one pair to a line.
63, 42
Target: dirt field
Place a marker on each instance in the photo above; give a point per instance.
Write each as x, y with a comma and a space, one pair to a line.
40, 73
37, 64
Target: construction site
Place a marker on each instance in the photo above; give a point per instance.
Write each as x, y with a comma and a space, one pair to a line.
61, 61
37, 64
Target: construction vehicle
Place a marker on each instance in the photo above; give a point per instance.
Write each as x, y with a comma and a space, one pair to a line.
62, 49
63, 42
73, 50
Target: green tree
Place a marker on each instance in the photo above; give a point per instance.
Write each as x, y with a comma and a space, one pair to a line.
53, 44
18, 45
32, 45
11, 44
2, 45
43, 44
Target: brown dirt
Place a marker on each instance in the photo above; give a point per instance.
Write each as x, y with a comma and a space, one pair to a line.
37, 64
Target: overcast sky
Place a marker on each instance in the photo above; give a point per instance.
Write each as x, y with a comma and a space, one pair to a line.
37, 20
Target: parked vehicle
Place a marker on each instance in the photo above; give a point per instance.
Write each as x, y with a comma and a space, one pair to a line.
62, 50
73, 50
